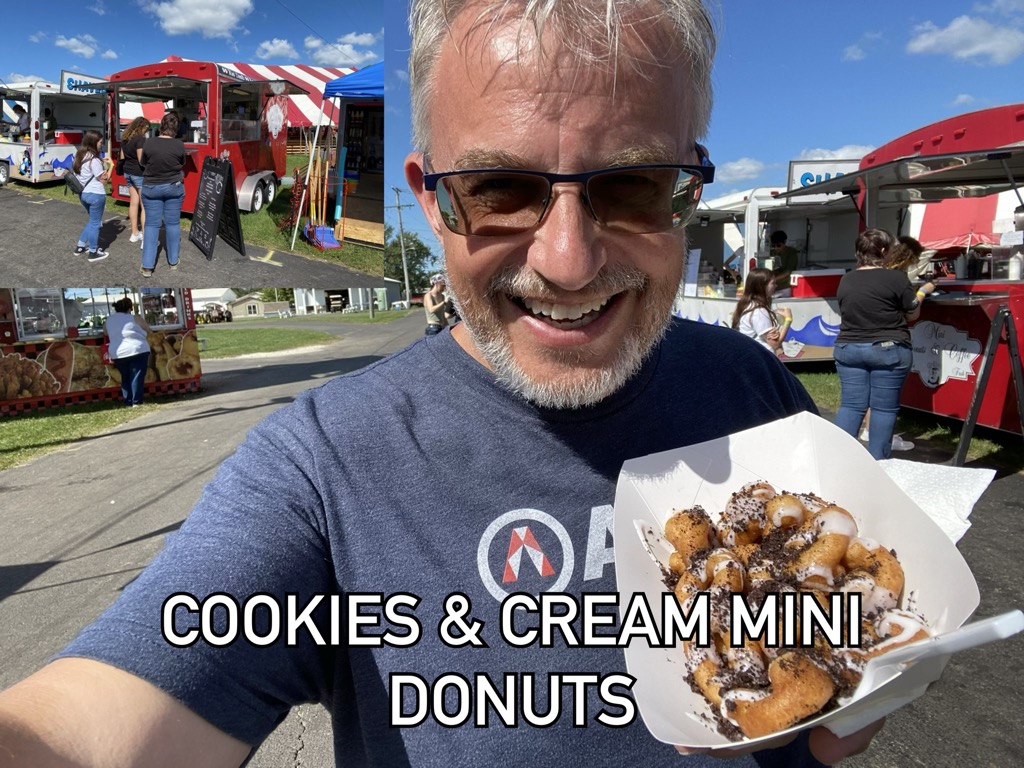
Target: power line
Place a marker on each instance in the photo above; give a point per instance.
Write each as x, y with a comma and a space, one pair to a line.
311, 29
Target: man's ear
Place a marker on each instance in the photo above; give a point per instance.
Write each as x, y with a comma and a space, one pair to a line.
414, 175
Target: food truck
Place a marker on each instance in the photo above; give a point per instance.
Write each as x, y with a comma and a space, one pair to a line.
46, 150
223, 114
52, 345
967, 361
822, 228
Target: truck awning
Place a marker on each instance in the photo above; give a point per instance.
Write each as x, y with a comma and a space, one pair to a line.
930, 178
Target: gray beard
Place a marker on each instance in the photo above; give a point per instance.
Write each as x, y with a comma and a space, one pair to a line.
591, 385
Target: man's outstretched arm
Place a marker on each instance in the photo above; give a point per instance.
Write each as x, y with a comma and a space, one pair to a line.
79, 712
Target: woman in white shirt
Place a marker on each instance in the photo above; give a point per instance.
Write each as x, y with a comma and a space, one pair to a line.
93, 174
754, 316
129, 350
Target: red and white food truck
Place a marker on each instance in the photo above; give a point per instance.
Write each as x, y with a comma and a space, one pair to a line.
966, 172
51, 345
224, 114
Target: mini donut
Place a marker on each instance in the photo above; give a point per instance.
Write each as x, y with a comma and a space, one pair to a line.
798, 689
815, 565
743, 520
891, 630
689, 531
784, 511
875, 572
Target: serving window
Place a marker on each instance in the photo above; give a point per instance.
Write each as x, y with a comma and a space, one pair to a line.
56, 313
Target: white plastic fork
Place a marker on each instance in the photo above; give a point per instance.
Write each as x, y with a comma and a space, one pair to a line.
883, 668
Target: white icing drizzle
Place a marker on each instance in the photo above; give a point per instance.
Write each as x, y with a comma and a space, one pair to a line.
833, 520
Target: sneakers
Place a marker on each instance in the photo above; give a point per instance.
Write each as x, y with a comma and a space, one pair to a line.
899, 444
146, 272
98, 255
80, 249
174, 265
136, 238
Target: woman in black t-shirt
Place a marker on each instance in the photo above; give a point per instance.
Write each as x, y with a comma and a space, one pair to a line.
134, 137
872, 352
163, 192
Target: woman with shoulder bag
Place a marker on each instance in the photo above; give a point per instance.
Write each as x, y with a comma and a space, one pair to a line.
93, 175
163, 192
754, 316
135, 136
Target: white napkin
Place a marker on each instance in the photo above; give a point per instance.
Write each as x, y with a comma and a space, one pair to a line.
948, 494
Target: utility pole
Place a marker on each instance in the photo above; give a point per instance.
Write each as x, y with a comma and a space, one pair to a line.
401, 242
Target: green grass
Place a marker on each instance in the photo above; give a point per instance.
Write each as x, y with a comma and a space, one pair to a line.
991, 448
35, 433
225, 341
259, 229
354, 318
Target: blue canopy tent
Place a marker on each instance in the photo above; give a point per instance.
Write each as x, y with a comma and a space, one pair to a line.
365, 84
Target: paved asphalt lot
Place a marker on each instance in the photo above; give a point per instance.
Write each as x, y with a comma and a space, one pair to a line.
38, 236
79, 524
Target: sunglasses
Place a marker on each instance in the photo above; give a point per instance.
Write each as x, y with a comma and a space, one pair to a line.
637, 199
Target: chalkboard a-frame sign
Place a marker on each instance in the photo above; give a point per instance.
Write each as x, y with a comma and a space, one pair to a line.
216, 211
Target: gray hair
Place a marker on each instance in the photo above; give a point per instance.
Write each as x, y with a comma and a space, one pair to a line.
593, 30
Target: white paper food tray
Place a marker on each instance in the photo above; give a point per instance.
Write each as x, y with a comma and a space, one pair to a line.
801, 454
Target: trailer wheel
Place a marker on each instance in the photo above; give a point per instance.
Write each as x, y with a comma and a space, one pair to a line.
258, 198
271, 190
5, 173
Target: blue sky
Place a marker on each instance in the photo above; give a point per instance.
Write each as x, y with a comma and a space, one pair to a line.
806, 79
99, 37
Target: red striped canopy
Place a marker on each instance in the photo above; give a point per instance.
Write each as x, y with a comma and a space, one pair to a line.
303, 109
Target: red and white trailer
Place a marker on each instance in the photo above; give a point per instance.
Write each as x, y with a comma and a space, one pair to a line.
225, 115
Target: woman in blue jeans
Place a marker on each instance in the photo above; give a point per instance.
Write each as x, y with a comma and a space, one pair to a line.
93, 176
163, 191
872, 352
129, 349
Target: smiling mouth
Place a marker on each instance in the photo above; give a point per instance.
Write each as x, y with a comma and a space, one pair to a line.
564, 316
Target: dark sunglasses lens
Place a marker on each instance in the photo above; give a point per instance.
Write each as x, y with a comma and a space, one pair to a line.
488, 204
643, 200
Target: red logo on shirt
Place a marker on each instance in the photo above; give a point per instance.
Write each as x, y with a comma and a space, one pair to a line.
523, 541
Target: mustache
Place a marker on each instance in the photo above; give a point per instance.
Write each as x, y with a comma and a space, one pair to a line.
525, 281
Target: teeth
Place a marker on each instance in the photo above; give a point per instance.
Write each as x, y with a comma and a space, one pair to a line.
563, 311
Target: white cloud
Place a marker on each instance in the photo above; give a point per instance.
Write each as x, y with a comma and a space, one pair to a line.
276, 49
847, 152
744, 169
183, 17
108, 54
969, 39
963, 100
339, 54
84, 46
402, 75
17, 77
37, 37
853, 53
1002, 7
97, 8
360, 38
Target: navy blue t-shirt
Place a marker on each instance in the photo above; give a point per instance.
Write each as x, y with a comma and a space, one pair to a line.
420, 474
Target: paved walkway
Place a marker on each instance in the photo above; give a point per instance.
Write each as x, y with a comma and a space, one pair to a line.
38, 236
